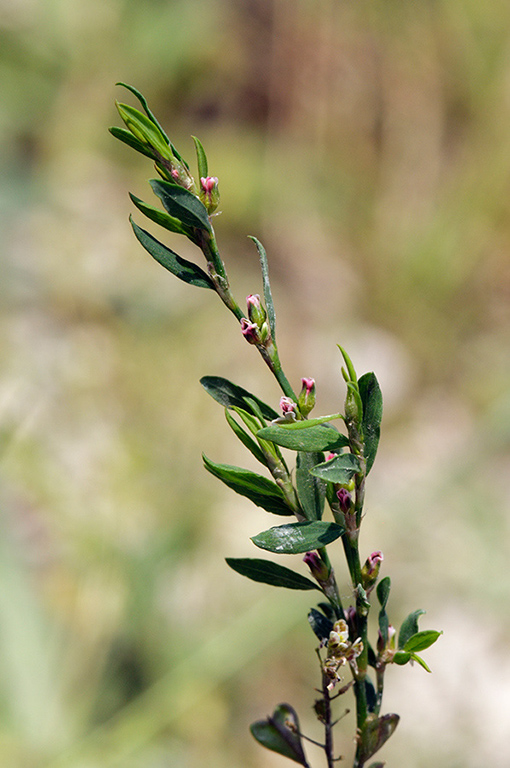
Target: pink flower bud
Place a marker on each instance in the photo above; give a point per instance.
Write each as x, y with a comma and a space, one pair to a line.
250, 331
209, 193
209, 183
287, 405
256, 311
370, 570
374, 560
306, 399
318, 568
308, 385
344, 499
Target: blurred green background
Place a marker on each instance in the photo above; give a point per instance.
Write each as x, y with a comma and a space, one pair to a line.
367, 144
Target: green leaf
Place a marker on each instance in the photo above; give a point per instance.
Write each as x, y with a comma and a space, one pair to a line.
184, 270
274, 733
268, 572
318, 438
420, 661
229, 395
181, 204
161, 218
409, 627
268, 297
144, 129
321, 625
348, 363
311, 490
260, 490
377, 765
375, 732
422, 640
371, 399
383, 591
401, 658
294, 538
338, 470
308, 423
245, 438
144, 104
127, 137
201, 158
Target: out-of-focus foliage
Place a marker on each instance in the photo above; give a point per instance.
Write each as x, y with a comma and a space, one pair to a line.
367, 144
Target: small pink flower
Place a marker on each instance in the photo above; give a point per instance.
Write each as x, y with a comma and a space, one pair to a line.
374, 561
209, 183
287, 405
250, 331
308, 385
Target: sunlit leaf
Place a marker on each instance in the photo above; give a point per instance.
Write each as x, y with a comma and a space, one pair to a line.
318, 438
293, 538
422, 640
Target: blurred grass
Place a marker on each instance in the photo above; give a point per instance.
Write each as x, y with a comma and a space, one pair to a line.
367, 145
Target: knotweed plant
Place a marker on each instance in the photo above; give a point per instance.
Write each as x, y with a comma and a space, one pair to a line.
322, 495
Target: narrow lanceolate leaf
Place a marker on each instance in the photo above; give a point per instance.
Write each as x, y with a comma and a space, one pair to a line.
181, 204
280, 733
318, 438
374, 734
260, 490
201, 158
245, 438
338, 470
294, 538
231, 395
422, 640
268, 297
184, 270
308, 423
127, 137
311, 490
409, 627
143, 128
371, 399
161, 218
268, 572
143, 102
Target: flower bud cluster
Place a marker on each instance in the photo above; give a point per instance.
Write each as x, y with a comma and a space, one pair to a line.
256, 329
